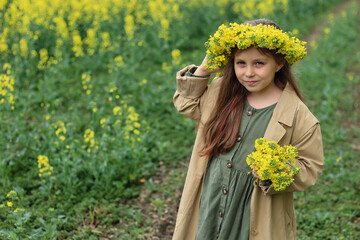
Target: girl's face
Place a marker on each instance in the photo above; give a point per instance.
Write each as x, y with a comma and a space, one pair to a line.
256, 71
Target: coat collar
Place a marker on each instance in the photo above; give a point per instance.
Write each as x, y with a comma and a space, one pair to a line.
284, 114
285, 109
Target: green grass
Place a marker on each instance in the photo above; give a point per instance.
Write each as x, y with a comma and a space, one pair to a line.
329, 77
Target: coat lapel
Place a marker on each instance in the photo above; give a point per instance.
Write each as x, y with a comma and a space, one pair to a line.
284, 114
275, 131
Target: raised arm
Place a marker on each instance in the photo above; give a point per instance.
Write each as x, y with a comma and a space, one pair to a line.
192, 84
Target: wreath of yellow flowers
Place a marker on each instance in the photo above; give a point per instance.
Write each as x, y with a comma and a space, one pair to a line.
243, 36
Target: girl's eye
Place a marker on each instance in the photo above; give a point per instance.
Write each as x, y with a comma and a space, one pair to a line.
260, 63
240, 62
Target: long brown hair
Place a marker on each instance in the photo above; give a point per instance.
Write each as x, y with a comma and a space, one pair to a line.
221, 130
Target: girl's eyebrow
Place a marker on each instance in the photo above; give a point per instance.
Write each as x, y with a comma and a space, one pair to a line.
253, 60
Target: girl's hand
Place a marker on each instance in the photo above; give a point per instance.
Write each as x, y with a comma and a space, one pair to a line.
202, 71
254, 173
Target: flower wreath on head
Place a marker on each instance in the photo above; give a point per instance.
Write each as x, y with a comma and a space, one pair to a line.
243, 36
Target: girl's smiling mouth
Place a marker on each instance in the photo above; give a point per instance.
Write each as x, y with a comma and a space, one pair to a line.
250, 83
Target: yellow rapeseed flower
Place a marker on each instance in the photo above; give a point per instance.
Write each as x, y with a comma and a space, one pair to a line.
344, 14
143, 82
77, 44
45, 169
117, 110
12, 193
24, 48
273, 162
7, 85
119, 62
350, 77
60, 129
313, 44
91, 41
165, 25
86, 82
129, 26
105, 41
165, 67
103, 121
327, 31
3, 4
89, 138
176, 56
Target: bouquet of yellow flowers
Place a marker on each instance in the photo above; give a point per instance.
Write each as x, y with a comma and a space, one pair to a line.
274, 163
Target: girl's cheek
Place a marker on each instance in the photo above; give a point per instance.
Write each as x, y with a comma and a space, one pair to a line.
239, 79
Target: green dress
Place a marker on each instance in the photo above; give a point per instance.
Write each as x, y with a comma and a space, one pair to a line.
225, 200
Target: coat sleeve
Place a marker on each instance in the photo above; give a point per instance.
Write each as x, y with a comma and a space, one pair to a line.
310, 161
190, 91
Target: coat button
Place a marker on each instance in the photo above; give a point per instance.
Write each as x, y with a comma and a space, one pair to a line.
254, 232
221, 214
225, 191
239, 138
229, 164
217, 236
249, 112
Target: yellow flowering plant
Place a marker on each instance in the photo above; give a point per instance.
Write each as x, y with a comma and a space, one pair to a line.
274, 163
242, 36
45, 169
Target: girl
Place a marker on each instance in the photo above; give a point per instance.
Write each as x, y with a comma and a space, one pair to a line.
257, 96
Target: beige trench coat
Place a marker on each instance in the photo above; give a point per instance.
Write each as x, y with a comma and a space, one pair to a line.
272, 213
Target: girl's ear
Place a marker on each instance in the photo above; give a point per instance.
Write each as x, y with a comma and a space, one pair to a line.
279, 66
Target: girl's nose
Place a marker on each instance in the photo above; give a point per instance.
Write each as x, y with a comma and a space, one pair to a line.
249, 72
